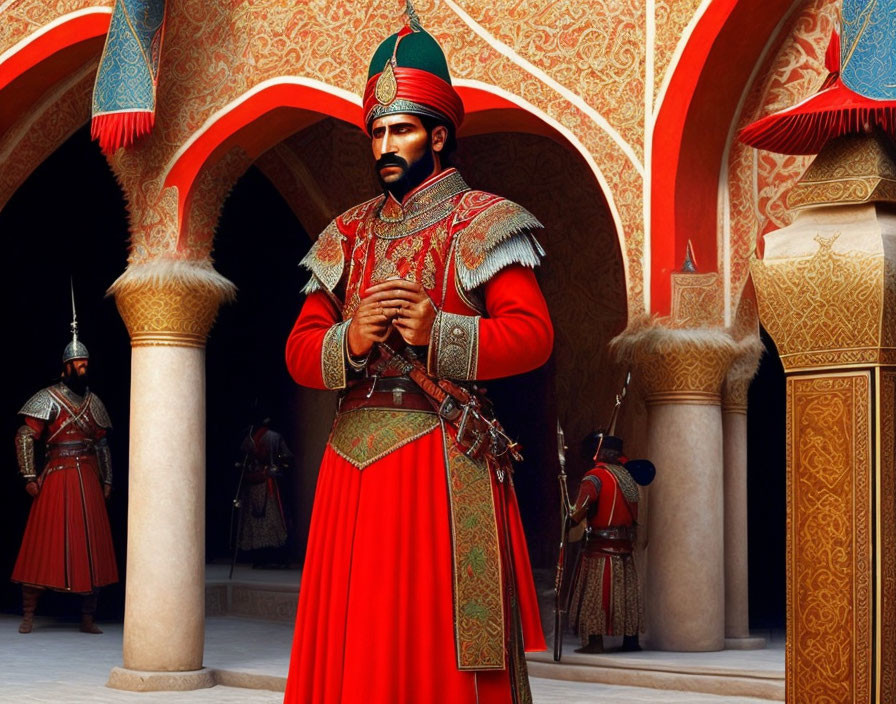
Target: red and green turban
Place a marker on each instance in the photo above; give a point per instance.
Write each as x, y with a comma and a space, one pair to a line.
409, 74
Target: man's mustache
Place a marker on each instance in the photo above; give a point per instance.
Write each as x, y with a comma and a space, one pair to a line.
391, 160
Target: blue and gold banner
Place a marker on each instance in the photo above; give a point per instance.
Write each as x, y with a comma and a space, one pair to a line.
124, 96
868, 48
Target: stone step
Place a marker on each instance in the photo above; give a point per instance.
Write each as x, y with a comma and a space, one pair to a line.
755, 673
266, 595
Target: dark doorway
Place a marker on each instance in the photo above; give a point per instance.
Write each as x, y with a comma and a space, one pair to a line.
766, 490
67, 219
258, 245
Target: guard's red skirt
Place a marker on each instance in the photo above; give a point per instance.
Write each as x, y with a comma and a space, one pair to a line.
68, 544
375, 620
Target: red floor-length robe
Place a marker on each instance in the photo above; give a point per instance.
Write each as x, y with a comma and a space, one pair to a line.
67, 544
376, 620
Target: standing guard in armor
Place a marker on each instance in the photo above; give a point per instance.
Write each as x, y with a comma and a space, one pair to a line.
605, 596
417, 585
262, 523
67, 544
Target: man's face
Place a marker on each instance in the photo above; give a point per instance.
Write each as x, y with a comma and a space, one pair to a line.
398, 142
76, 368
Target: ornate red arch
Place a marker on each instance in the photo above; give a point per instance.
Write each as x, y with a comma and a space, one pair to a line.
266, 116
32, 66
691, 132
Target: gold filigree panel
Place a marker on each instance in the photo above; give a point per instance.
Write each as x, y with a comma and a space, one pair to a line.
827, 309
849, 169
830, 541
697, 300
886, 525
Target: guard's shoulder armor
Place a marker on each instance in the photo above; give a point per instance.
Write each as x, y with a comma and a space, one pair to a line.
492, 233
626, 482
41, 406
326, 258
99, 412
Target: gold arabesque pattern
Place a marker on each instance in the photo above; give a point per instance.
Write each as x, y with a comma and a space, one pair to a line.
830, 599
677, 366
849, 169
171, 312
827, 309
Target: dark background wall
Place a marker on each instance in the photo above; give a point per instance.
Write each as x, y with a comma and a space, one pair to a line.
766, 486
67, 219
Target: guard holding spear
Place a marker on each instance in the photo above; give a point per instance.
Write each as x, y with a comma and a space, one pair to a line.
605, 594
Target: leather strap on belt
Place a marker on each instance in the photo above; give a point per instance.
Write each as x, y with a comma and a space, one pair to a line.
388, 392
616, 540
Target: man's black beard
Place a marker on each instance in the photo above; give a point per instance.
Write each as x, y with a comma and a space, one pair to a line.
76, 383
412, 175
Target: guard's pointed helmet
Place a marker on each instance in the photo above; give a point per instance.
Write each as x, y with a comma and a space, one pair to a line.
74, 349
409, 74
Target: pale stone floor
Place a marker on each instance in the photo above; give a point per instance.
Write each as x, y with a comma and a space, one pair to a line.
58, 665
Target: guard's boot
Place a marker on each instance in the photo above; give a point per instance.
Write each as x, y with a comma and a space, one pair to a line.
30, 595
595, 645
88, 609
630, 644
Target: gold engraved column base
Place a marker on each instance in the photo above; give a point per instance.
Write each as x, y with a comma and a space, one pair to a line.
171, 305
677, 365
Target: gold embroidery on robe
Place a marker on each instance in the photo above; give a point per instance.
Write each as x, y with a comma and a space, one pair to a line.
366, 435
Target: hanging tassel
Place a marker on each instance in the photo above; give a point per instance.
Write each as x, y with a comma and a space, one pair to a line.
120, 129
124, 96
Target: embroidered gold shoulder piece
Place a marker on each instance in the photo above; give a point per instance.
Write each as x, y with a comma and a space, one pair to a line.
496, 237
325, 260
626, 482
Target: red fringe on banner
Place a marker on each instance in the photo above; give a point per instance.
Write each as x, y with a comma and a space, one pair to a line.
120, 129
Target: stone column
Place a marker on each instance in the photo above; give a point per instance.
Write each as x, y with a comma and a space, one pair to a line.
168, 316
826, 290
734, 427
682, 372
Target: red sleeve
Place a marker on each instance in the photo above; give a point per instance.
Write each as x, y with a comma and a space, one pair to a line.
588, 490
517, 336
36, 425
303, 348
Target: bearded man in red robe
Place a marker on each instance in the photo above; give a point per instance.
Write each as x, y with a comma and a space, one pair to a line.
67, 544
417, 585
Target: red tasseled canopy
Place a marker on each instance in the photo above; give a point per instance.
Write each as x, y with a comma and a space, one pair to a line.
833, 111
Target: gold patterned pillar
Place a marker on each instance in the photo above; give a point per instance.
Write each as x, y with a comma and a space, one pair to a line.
734, 428
682, 372
168, 309
826, 289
